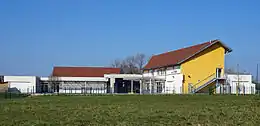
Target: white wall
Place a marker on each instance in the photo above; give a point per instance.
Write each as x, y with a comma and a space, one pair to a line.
75, 84
245, 84
25, 84
173, 76
173, 84
77, 78
79, 91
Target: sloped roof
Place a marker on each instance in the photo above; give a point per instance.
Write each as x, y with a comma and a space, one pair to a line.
84, 71
180, 55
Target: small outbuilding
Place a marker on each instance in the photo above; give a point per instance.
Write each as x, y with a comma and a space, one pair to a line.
237, 84
23, 84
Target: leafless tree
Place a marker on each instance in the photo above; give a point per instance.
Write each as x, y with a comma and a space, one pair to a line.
116, 63
131, 64
141, 60
233, 71
54, 83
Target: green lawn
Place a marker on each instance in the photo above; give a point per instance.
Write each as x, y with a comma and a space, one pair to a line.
131, 110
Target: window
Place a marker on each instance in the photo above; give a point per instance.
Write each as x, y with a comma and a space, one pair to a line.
1, 79
218, 72
161, 72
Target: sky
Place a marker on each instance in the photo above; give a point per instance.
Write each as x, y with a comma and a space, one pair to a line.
36, 35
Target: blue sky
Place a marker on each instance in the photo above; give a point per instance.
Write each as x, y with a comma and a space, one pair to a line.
37, 35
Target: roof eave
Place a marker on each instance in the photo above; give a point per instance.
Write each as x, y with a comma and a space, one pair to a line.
228, 50
158, 67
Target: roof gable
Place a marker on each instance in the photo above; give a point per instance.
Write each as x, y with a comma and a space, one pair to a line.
84, 71
180, 55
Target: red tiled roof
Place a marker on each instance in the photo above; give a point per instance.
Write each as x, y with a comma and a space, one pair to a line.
178, 56
84, 71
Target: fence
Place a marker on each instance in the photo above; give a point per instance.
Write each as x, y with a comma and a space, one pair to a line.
227, 89
10, 95
17, 93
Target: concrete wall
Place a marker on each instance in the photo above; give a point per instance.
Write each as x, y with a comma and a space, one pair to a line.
79, 91
77, 78
23, 84
173, 78
173, 84
243, 81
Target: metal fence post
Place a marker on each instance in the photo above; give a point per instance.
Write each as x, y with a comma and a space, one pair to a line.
10, 95
5, 94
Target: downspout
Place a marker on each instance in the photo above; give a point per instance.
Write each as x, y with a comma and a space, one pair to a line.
164, 79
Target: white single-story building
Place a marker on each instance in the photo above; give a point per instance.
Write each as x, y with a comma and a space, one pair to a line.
87, 80
23, 84
133, 83
75, 85
237, 83
78, 79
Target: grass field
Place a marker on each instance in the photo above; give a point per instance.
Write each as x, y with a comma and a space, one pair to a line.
131, 110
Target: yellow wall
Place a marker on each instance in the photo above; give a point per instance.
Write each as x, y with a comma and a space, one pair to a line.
203, 65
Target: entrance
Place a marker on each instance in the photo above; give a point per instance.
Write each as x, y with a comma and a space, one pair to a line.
124, 86
218, 72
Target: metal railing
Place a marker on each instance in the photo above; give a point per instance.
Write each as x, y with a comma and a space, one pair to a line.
196, 87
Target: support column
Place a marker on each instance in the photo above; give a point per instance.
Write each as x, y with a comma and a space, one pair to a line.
141, 86
112, 83
150, 86
217, 85
85, 88
132, 86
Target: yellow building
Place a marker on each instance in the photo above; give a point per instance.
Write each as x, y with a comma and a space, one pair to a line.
200, 66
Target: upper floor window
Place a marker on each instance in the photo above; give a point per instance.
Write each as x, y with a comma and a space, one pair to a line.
161, 72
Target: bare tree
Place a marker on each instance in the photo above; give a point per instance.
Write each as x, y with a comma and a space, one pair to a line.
230, 71
124, 67
54, 83
141, 60
131, 64
233, 71
116, 63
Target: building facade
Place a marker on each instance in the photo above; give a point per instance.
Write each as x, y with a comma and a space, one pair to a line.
237, 84
192, 69
23, 84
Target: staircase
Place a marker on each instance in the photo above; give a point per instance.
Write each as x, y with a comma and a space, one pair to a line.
204, 83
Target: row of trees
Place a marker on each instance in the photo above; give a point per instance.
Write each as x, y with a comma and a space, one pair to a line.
131, 64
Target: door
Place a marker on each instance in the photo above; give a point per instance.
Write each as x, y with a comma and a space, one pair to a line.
218, 72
